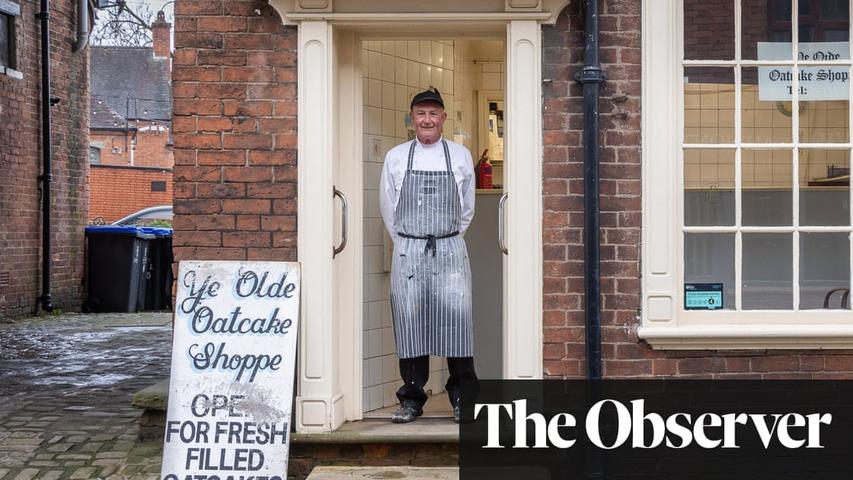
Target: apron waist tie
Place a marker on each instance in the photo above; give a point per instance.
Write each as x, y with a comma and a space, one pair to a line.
430, 244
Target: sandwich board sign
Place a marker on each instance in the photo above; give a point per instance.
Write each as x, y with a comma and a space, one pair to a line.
233, 362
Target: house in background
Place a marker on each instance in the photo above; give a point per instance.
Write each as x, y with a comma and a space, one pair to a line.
130, 148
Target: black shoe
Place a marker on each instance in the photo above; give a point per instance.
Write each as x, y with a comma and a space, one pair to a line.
456, 414
406, 413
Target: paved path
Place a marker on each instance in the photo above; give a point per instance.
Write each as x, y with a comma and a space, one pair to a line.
65, 388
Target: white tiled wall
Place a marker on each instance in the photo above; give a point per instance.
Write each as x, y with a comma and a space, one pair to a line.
480, 65
393, 72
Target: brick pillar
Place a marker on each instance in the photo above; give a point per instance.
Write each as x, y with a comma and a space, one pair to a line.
160, 36
234, 122
564, 350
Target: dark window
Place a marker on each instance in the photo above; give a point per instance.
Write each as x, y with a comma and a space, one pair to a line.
158, 186
818, 20
8, 11
6, 27
94, 155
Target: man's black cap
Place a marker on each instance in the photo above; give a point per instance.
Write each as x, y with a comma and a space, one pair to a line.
430, 95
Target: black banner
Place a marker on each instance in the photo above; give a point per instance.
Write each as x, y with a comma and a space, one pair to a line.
657, 429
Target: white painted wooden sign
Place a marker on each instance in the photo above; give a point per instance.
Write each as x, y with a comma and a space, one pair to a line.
233, 361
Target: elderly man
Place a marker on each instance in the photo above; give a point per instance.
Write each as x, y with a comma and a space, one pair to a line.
427, 202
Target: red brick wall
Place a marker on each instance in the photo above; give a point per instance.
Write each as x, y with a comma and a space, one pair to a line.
114, 146
624, 355
152, 147
118, 191
234, 87
20, 162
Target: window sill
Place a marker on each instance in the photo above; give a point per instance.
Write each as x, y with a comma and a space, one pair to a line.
746, 337
12, 73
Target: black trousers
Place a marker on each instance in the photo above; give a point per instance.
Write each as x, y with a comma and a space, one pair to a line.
415, 373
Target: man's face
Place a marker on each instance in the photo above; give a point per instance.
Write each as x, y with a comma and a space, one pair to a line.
428, 118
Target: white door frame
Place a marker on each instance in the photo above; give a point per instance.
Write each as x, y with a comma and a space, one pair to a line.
329, 122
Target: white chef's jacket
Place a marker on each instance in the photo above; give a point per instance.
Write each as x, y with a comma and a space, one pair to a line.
430, 158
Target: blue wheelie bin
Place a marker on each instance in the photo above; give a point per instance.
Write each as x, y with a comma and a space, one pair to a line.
158, 291
117, 267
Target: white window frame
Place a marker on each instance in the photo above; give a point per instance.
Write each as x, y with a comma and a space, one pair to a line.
92, 149
12, 11
665, 324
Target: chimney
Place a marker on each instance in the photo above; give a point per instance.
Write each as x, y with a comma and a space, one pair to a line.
161, 36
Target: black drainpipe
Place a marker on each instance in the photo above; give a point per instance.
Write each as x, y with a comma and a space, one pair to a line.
83, 30
591, 77
46, 177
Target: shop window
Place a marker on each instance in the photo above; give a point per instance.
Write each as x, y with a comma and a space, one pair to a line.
8, 12
755, 243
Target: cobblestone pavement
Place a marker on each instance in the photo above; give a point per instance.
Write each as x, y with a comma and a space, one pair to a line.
65, 390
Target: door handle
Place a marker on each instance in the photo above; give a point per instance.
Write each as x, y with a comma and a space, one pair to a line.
501, 242
343, 245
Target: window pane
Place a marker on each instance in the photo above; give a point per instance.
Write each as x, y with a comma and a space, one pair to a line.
824, 266
709, 181
834, 10
824, 187
767, 272
5, 40
824, 100
835, 35
780, 9
827, 21
766, 29
709, 102
709, 30
767, 195
710, 258
765, 105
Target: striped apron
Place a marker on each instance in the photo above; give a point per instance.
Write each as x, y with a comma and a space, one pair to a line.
430, 273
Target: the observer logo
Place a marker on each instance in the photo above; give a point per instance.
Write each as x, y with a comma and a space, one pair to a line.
651, 430
657, 429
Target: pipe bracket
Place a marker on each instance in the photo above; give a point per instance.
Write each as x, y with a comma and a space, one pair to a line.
591, 74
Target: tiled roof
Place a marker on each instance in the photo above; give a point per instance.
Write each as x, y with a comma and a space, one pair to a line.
128, 83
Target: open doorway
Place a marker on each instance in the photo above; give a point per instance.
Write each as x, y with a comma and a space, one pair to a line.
471, 76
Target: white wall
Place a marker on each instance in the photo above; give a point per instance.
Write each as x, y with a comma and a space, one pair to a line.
480, 65
394, 71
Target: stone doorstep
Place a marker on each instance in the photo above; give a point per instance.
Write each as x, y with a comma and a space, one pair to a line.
153, 401
383, 473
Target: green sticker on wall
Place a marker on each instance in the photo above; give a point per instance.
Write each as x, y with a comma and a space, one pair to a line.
703, 296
